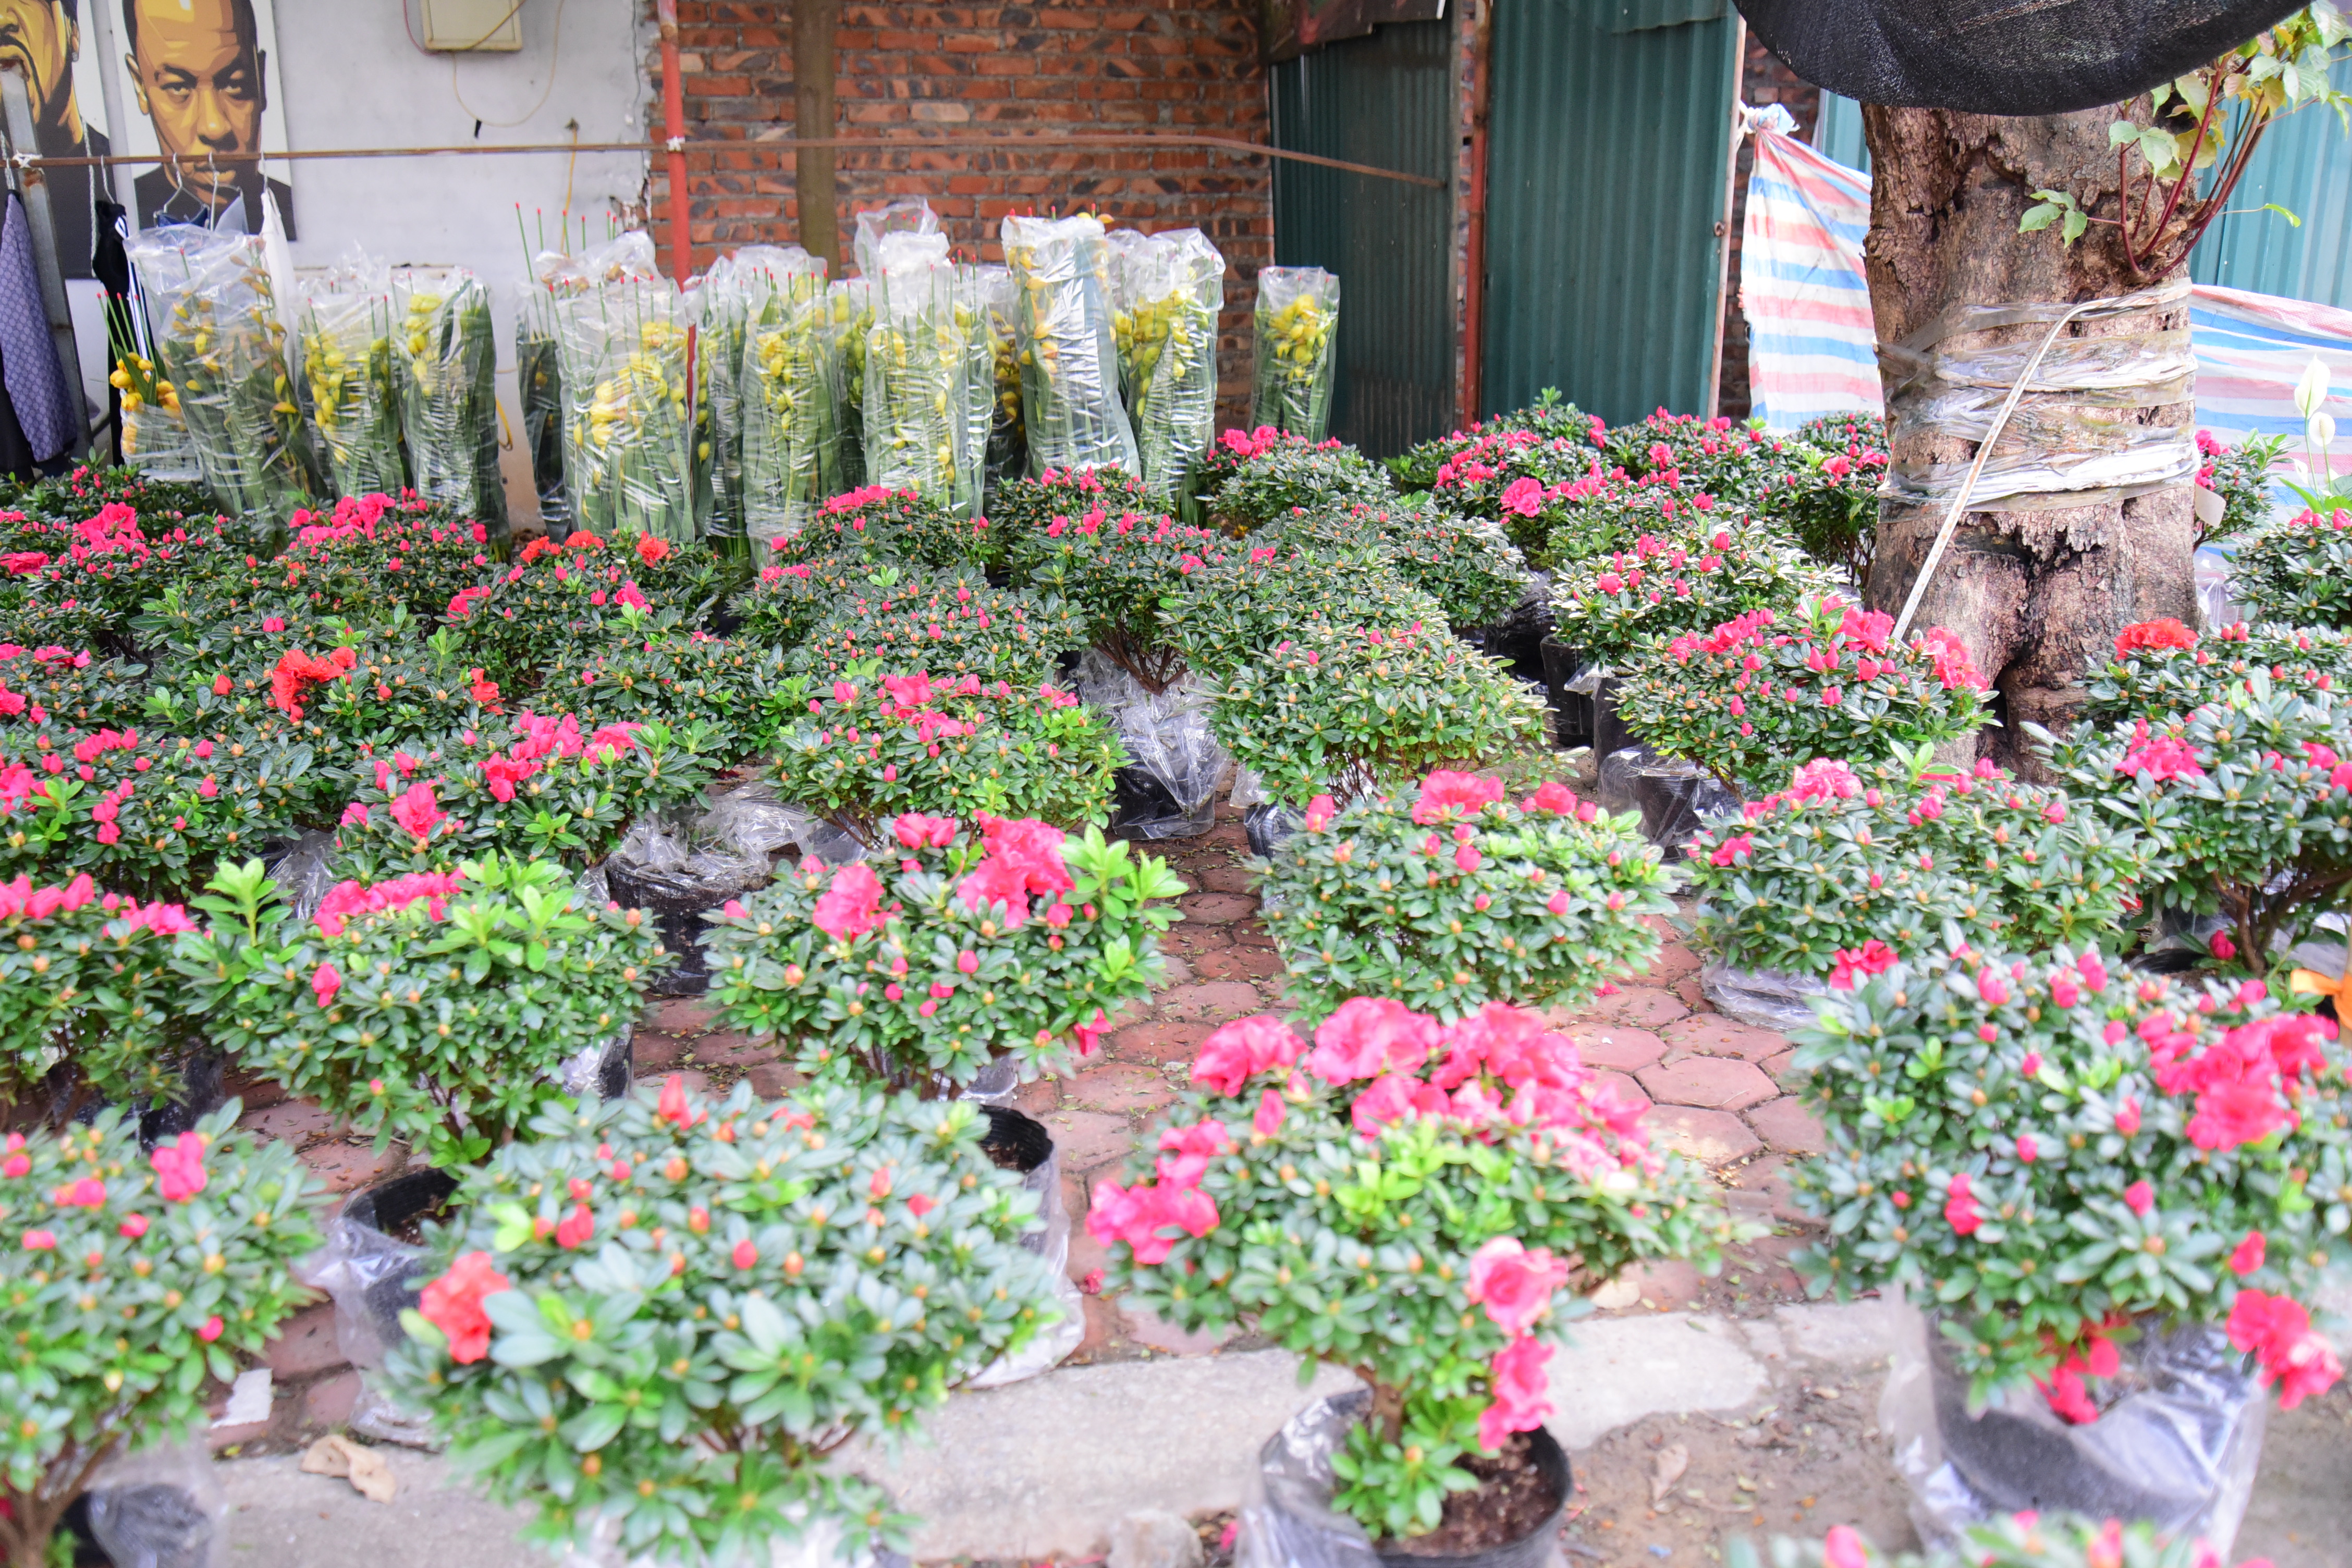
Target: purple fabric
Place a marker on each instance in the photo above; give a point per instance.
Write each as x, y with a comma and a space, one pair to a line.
29, 353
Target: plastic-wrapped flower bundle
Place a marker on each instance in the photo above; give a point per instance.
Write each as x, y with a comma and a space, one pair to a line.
910, 214
539, 374
1298, 317
848, 317
926, 408
628, 443
733, 293
791, 459
154, 436
347, 364
1171, 287
1069, 356
220, 343
448, 365
1008, 436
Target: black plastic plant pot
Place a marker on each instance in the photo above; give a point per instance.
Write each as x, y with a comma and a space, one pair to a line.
203, 1091
1015, 1140
680, 925
1572, 710
1609, 732
385, 1208
1144, 806
1269, 824
2162, 1453
1533, 1549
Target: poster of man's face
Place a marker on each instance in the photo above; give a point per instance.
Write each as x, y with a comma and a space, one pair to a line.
198, 73
46, 40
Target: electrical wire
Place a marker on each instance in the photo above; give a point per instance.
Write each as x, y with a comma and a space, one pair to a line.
554, 55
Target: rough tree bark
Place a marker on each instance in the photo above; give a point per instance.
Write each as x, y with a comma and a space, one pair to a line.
2037, 595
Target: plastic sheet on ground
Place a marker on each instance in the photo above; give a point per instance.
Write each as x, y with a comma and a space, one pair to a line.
1297, 350
1294, 1526
1175, 762
2180, 1449
1764, 997
2074, 439
1069, 352
1050, 1240
445, 361
163, 1507
1672, 796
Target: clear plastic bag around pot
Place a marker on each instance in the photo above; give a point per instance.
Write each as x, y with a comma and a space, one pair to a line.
1050, 1241
301, 873
539, 377
849, 316
1169, 787
1170, 289
678, 874
1007, 457
345, 324
1764, 997
156, 442
786, 450
2178, 1451
219, 342
909, 215
445, 361
163, 1507
1672, 796
1297, 324
1070, 352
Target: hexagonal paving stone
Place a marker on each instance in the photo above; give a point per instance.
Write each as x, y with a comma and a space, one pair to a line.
1712, 1035
1119, 1088
1619, 1046
1160, 1040
1216, 909
1627, 1089
1711, 1137
1088, 1139
1716, 1083
1213, 1001
1788, 1126
1238, 963
1146, 1329
1643, 1006
295, 1121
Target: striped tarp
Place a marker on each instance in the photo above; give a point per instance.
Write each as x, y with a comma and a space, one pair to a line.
2251, 349
1810, 346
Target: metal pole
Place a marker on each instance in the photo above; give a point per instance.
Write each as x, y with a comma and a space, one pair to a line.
16, 100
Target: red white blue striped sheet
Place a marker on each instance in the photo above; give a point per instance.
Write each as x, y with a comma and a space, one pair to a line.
1812, 347
2252, 350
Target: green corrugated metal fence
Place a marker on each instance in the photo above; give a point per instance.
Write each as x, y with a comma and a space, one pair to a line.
1610, 150
2304, 164
1385, 100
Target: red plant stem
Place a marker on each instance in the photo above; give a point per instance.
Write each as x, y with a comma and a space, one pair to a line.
2188, 164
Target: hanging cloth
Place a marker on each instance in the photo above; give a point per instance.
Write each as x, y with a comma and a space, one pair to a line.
28, 354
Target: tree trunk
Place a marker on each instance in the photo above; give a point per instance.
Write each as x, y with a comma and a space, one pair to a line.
2036, 589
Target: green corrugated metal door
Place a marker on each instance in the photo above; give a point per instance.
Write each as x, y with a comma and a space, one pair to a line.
1386, 100
1608, 170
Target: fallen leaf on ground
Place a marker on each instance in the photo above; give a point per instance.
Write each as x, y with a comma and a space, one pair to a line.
359, 1465
1673, 1460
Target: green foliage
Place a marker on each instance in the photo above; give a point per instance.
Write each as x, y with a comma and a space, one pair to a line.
87, 987
1459, 898
1232, 612
723, 689
1118, 571
883, 524
758, 1282
787, 600
1690, 578
66, 688
922, 966
949, 626
2158, 682
1291, 474
557, 602
80, 583
1737, 467
2246, 803
129, 1308
2241, 477
1548, 419
1914, 860
1464, 562
2299, 570
1762, 694
1830, 502
869, 750
1989, 1117
1021, 506
435, 1010
1349, 710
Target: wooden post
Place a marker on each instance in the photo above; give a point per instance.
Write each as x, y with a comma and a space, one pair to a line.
812, 115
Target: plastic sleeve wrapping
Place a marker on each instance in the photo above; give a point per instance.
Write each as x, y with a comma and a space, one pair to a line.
539, 377
1069, 355
1298, 322
2077, 438
911, 215
447, 361
921, 373
155, 441
791, 458
1177, 288
1007, 456
346, 327
218, 342
849, 317
629, 456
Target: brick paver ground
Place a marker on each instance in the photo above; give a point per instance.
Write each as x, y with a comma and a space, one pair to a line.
1720, 1091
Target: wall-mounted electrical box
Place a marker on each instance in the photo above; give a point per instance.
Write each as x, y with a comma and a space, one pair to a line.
470, 26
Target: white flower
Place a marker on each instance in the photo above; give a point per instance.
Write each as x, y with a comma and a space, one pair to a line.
2312, 390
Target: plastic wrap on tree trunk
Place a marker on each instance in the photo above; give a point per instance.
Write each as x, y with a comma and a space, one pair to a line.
162, 1508
1672, 796
1069, 352
1764, 997
1169, 787
2178, 1449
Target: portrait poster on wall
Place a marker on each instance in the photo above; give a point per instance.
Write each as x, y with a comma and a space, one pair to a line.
197, 80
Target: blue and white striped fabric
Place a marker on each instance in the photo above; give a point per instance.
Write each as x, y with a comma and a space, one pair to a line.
2252, 350
1811, 345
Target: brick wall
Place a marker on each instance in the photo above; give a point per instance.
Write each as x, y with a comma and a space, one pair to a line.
1762, 80
925, 72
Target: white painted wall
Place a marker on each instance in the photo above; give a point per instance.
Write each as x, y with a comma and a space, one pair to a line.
351, 77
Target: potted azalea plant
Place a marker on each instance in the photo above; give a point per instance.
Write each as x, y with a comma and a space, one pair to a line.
1689, 576
2113, 1192
1114, 570
2299, 570
435, 1009
69, 689
89, 998
1287, 474
949, 626
2247, 802
1229, 614
1452, 897
1403, 1199
960, 945
133, 1281
658, 1316
2163, 671
1761, 692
